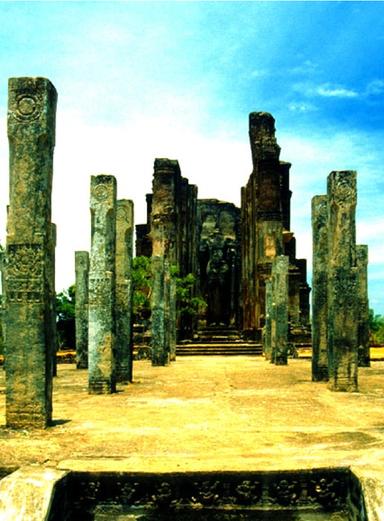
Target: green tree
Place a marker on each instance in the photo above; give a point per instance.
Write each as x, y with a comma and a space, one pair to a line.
141, 285
65, 316
376, 328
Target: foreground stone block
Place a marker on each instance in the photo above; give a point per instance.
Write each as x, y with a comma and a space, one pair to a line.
319, 289
124, 252
81, 308
102, 326
29, 252
342, 282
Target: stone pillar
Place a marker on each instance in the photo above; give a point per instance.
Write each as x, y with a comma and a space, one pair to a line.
363, 306
280, 267
52, 289
81, 308
165, 235
342, 282
319, 288
102, 327
28, 286
160, 349
267, 338
124, 252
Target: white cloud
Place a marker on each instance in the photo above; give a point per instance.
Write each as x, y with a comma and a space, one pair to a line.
325, 90
301, 107
375, 88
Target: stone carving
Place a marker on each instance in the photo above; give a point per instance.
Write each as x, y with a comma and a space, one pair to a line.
123, 296
319, 291
219, 260
101, 304
29, 269
159, 344
267, 336
237, 493
81, 311
342, 282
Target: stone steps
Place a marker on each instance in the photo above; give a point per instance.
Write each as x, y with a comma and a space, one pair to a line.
219, 349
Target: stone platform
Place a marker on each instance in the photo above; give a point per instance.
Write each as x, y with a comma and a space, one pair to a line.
207, 414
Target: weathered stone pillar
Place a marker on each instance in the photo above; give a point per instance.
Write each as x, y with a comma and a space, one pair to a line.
267, 337
342, 282
28, 287
102, 327
363, 305
165, 235
279, 328
52, 289
160, 347
319, 288
124, 252
81, 308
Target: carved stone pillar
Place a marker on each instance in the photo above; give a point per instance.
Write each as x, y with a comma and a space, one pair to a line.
159, 344
81, 308
29, 257
267, 344
124, 252
363, 306
280, 267
342, 282
102, 327
319, 288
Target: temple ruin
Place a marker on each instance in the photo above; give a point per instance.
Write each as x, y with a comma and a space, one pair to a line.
230, 250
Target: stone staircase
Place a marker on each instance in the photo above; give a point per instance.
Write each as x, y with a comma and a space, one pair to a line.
218, 340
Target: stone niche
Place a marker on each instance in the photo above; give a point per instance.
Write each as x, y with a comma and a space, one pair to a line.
219, 260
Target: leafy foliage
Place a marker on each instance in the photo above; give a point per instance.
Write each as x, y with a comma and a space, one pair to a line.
376, 328
142, 284
188, 305
65, 312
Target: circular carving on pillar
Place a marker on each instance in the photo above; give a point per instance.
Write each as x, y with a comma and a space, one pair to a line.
28, 107
121, 213
100, 193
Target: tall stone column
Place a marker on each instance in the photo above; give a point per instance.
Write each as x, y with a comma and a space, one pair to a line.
280, 267
363, 305
342, 282
267, 338
319, 288
28, 286
81, 308
124, 252
102, 327
160, 346
165, 235
52, 289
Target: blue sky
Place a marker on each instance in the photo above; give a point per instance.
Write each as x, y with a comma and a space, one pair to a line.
139, 80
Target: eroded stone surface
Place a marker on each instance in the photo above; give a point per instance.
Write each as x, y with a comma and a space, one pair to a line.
279, 324
81, 311
363, 305
101, 305
342, 282
124, 252
319, 288
29, 272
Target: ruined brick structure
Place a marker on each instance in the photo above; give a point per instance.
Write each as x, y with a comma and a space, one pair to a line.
173, 235
265, 231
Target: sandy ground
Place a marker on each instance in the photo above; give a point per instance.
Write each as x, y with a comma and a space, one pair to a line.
206, 413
